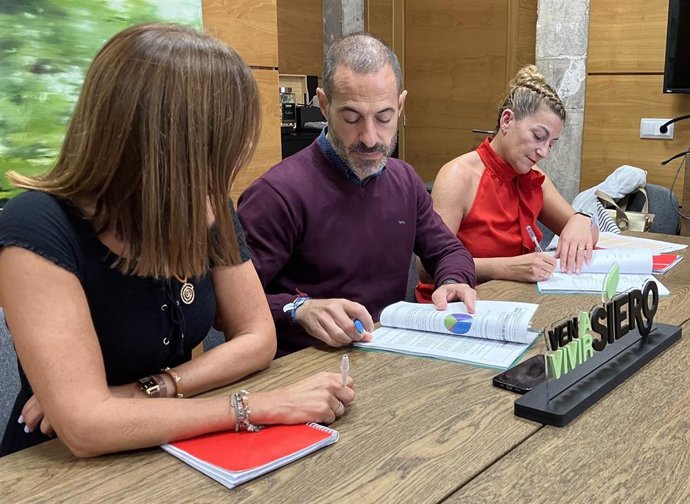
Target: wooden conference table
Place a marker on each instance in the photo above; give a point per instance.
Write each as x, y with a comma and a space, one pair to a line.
423, 430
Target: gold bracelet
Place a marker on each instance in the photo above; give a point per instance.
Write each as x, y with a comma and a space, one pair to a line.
177, 380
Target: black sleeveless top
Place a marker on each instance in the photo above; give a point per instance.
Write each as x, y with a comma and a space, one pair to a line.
141, 323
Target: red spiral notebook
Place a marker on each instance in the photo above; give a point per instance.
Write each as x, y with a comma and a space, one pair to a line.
231, 458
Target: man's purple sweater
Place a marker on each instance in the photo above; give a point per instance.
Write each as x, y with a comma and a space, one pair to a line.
313, 231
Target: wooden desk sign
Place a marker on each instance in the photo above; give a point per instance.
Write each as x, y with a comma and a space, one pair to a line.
590, 354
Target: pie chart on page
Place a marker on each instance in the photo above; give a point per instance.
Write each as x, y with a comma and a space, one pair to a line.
458, 323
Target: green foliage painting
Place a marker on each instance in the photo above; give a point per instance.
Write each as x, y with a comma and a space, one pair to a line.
46, 47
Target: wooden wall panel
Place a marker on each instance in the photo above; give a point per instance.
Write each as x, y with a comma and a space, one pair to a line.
300, 37
378, 19
455, 71
385, 19
428, 149
267, 151
627, 36
526, 39
249, 26
614, 106
454, 68
627, 42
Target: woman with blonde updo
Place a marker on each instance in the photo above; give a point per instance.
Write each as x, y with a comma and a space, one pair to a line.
489, 196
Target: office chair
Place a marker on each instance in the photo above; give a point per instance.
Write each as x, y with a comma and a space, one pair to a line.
213, 339
9, 374
663, 204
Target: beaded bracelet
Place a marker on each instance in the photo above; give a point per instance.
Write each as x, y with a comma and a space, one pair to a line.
240, 403
177, 381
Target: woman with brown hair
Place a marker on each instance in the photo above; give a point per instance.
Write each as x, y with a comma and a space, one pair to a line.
491, 197
116, 263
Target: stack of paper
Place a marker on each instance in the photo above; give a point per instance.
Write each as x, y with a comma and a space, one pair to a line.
231, 458
619, 241
635, 272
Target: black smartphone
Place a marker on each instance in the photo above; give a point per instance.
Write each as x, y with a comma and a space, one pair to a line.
523, 377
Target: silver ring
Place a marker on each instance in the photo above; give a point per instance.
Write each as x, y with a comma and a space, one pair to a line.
340, 409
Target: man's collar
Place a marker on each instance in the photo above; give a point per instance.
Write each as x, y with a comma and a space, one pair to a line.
327, 149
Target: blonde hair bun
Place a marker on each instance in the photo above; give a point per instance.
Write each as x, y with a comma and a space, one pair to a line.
528, 90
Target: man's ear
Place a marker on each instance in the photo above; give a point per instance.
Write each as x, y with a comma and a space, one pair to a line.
401, 102
323, 101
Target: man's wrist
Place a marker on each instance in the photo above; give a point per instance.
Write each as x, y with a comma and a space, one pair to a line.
291, 308
449, 281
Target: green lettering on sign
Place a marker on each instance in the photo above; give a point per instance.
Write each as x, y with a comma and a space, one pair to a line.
554, 361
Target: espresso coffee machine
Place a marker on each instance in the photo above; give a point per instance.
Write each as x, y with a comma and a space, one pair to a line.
288, 110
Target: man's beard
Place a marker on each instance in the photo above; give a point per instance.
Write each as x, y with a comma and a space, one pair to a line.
363, 168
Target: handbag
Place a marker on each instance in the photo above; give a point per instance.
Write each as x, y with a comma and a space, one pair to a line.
627, 220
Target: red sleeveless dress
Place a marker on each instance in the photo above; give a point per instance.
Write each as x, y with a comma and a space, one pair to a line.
505, 203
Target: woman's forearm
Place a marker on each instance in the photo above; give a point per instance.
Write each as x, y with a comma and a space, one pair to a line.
493, 268
118, 424
242, 355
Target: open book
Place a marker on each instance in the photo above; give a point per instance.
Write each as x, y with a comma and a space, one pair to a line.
495, 336
231, 458
635, 271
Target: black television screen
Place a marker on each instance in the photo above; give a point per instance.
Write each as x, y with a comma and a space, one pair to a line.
677, 66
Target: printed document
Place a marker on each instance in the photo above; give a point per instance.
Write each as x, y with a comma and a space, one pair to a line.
618, 241
495, 336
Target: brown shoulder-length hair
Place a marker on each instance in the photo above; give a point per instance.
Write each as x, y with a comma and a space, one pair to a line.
166, 118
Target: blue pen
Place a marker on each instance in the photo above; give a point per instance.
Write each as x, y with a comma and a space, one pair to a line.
359, 326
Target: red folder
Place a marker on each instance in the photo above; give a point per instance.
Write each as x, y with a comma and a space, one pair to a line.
661, 263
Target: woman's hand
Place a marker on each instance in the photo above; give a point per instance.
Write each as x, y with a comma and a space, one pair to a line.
320, 398
32, 413
534, 267
575, 243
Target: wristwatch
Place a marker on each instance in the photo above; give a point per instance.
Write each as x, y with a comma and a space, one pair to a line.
291, 307
152, 386
588, 214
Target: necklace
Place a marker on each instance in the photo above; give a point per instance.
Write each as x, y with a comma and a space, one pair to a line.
186, 291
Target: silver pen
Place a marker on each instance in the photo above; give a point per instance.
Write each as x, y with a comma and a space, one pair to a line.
344, 369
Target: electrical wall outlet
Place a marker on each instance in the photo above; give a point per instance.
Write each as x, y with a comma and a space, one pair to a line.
649, 128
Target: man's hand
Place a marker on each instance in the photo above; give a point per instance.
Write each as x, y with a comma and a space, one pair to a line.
454, 292
332, 321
